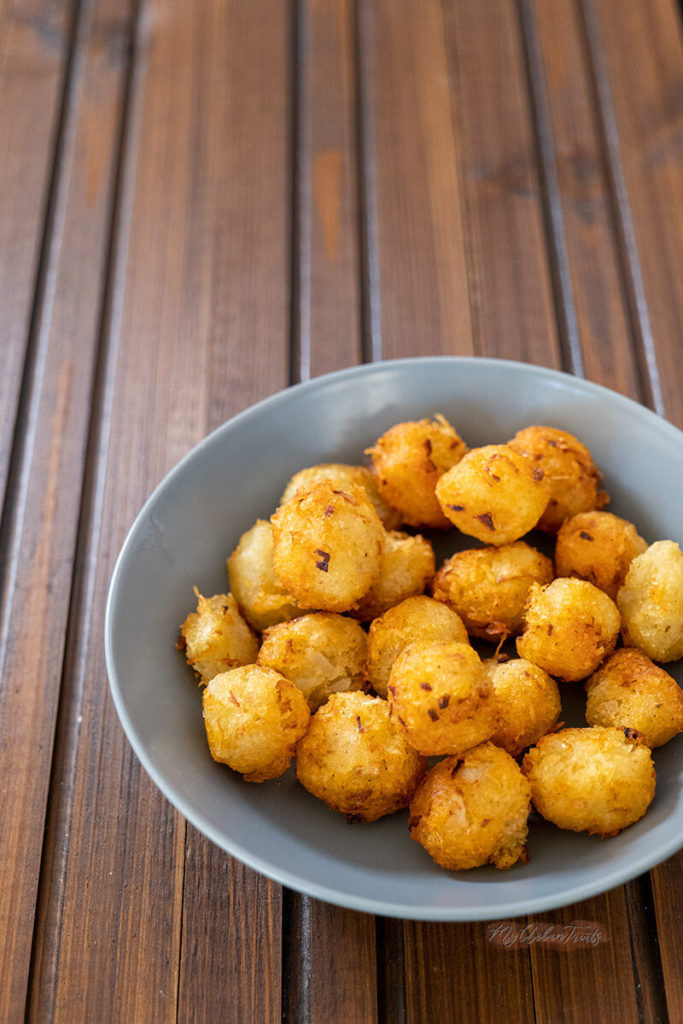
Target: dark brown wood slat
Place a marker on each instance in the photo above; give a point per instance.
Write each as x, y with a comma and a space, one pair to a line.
567, 125
329, 967
567, 118
205, 188
34, 46
641, 111
40, 546
507, 253
327, 312
422, 286
642, 115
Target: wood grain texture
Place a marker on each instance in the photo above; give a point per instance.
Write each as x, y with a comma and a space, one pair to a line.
46, 501
326, 306
641, 110
422, 286
511, 296
190, 340
34, 48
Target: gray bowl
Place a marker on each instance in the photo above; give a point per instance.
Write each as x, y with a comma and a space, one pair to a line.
195, 517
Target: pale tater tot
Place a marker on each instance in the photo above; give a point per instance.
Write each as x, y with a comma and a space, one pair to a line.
631, 691
328, 545
651, 602
473, 810
342, 476
407, 462
528, 702
322, 653
488, 587
494, 494
570, 626
596, 780
442, 698
254, 718
407, 567
598, 547
572, 476
259, 593
416, 618
216, 637
355, 759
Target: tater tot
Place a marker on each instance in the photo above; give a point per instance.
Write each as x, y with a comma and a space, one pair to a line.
570, 626
598, 547
494, 494
416, 618
407, 567
473, 810
254, 718
216, 637
528, 702
328, 544
407, 462
651, 602
596, 780
572, 476
321, 653
259, 593
442, 698
342, 476
488, 587
355, 759
629, 690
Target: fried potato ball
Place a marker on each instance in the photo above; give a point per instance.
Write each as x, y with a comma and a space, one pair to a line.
343, 476
570, 626
488, 587
494, 494
216, 637
568, 467
528, 703
473, 810
258, 591
596, 780
416, 618
629, 690
598, 547
355, 759
408, 460
328, 546
651, 601
322, 653
407, 567
442, 698
253, 718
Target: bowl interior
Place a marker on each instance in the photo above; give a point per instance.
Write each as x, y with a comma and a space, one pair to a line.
194, 519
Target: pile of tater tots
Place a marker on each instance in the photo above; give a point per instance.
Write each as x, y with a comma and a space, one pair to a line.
342, 645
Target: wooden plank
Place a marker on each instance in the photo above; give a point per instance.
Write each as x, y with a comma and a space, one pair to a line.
48, 475
636, 63
326, 335
34, 47
641, 110
572, 151
422, 290
327, 309
511, 297
203, 237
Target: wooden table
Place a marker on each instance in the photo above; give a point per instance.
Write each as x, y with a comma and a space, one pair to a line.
202, 201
